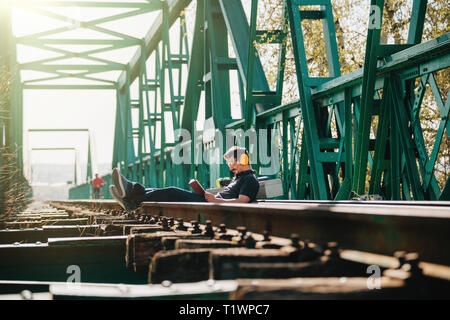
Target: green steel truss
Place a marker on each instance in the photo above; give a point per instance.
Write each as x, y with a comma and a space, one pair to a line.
317, 161
91, 167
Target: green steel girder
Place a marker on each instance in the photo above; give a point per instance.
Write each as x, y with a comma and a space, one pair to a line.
37, 40
306, 83
241, 39
327, 165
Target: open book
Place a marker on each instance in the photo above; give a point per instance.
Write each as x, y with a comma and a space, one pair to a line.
197, 187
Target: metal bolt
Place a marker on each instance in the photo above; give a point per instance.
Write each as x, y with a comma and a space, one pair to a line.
412, 259
250, 242
223, 232
242, 230
209, 231
165, 224
181, 225
195, 227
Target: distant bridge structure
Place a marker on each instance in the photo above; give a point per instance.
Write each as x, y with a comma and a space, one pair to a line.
313, 163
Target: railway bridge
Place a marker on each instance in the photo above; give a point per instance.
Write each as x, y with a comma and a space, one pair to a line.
354, 169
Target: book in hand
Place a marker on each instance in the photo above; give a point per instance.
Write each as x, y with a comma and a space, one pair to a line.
197, 187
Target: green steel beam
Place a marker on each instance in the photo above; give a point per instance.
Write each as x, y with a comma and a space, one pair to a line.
68, 87
62, 149
155, 4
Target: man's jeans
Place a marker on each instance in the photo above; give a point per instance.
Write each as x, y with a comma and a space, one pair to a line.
97, 193
137, 193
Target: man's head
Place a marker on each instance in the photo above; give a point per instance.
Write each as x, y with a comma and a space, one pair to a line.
96, 175
237, 159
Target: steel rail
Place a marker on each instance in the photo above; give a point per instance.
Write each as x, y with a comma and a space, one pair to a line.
364, 203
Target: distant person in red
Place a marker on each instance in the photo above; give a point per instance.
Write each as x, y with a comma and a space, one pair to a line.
98, 182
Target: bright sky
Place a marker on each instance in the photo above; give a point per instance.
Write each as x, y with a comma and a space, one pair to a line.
85, 109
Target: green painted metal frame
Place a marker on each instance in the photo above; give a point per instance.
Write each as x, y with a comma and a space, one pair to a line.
321, 159
90, 151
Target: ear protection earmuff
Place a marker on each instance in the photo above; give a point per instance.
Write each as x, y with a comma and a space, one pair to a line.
243, 160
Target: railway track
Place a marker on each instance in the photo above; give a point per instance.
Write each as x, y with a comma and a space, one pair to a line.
269, 250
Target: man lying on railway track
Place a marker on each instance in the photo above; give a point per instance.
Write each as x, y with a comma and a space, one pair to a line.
242, 189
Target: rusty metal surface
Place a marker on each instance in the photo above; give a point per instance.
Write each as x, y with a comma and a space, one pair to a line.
377, 228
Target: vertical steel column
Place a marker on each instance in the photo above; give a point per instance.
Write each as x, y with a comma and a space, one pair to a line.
367, 98
319, 180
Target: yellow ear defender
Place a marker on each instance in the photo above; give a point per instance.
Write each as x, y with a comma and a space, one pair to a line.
243, 160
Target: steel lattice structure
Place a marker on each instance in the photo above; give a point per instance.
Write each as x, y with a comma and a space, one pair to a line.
326, 166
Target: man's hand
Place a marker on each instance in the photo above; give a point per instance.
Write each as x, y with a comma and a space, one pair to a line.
210, 197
